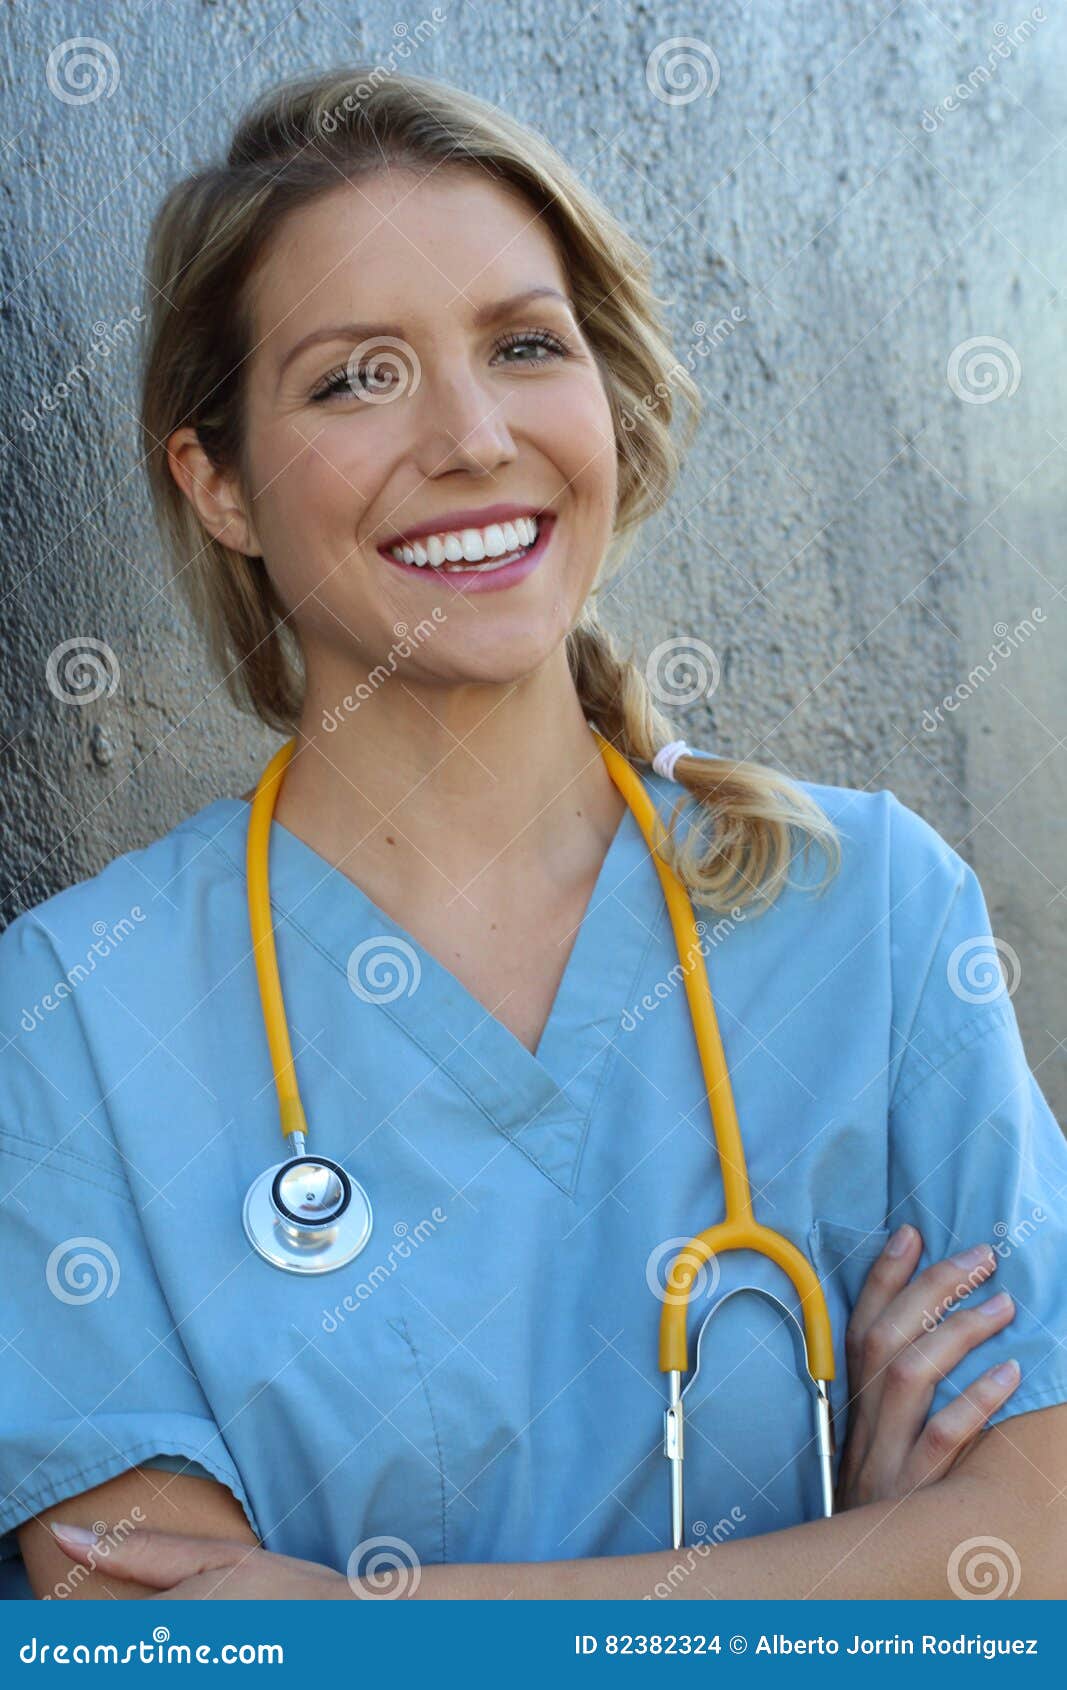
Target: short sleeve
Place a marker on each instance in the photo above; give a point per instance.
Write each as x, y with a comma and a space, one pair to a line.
177, 1464
975, 1153
94, 1378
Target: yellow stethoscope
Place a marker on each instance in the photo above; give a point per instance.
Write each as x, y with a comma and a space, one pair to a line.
308, 1215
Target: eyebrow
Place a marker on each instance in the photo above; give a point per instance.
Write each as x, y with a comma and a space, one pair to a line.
484, 317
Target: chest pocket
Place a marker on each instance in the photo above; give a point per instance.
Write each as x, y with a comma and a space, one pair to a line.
327, 1410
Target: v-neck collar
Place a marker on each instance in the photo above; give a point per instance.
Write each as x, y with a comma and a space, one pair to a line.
542, 1101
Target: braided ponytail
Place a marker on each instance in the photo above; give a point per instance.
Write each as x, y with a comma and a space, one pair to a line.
749, 810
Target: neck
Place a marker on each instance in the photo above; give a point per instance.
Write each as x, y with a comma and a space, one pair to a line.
465, 792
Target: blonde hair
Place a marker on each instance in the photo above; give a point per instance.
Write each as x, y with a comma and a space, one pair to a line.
299, 141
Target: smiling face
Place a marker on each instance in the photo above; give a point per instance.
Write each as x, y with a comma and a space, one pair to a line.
417, 361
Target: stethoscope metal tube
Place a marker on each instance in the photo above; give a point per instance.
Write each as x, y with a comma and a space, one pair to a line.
674, 1413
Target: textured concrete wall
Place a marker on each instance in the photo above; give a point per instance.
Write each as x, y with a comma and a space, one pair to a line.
865, 188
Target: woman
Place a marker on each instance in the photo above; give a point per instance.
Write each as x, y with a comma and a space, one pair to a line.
394, 313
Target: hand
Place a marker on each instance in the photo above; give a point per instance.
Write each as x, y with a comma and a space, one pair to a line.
898, 1350
184, 1568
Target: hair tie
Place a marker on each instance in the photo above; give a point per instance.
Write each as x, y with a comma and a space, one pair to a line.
664, 760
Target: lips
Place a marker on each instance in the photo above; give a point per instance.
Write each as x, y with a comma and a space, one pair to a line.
450, 522
477, 578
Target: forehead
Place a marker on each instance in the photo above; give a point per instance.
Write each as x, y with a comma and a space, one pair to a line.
402, 247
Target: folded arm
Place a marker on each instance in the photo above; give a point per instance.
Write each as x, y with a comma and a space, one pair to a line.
1007, 1493
1010, 1487
939, 1489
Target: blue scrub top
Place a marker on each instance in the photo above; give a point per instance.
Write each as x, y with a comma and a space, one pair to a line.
482, 1381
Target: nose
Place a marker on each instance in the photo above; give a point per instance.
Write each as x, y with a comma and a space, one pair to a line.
462, 424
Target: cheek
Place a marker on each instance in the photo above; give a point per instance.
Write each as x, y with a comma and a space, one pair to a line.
585, 448
312, 498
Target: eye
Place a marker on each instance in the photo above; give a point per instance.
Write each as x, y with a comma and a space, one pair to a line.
371, 377
550, 344
377, 376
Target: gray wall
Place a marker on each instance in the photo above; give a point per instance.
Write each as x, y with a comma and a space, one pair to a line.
855, 521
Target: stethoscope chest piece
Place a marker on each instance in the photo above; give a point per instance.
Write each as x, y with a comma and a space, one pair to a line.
307, 1215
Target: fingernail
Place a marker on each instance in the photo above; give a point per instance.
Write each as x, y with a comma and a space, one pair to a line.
971, 1258
995, 1305
899, 1241
77, 1535
1006, 1373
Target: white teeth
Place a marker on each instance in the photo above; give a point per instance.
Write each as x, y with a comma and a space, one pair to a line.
473, 543
495, 544
469, 545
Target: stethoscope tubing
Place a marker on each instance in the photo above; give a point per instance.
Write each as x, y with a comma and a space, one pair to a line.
277, 1234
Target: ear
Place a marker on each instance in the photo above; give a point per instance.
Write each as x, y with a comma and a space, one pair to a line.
214, 494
